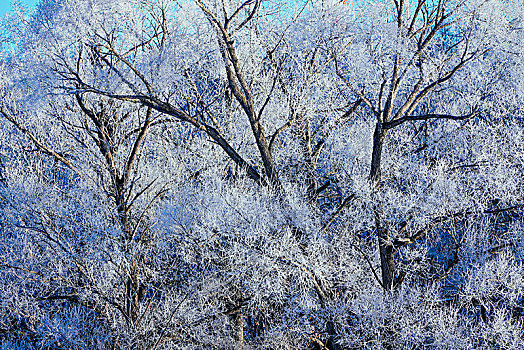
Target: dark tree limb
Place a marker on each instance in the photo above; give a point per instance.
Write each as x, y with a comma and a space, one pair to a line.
38, 143
396, 122
344, 204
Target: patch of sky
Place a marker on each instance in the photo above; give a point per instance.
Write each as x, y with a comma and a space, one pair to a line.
7, 5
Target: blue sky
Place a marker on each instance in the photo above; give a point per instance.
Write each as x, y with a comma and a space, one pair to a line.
5, 5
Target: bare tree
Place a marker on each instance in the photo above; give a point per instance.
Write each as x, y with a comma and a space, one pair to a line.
424, 48
215, 174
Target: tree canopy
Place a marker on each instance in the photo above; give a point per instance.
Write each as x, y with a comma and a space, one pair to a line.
262, 174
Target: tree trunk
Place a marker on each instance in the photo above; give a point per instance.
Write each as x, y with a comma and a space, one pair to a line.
378, 140
386, 250
265, 153
131, 294
239, 320
387, 256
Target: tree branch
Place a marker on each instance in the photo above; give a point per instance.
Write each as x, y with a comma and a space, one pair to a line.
404, 119
38, 143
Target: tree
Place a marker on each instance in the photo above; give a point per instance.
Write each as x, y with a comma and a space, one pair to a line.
417, 51
205, 174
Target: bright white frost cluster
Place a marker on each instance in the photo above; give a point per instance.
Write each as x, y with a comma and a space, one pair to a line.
231, 174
